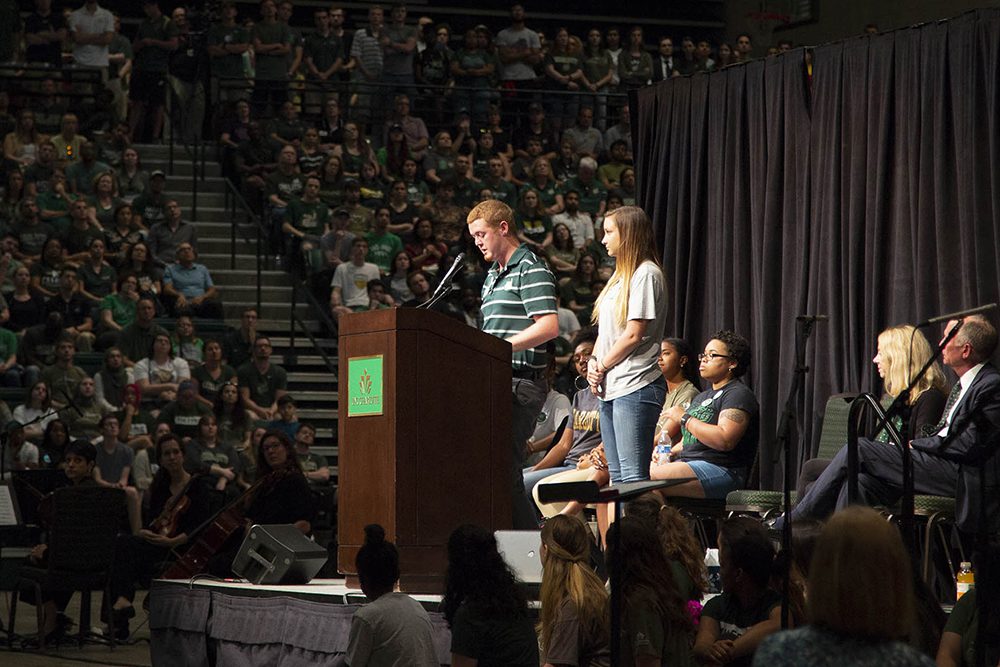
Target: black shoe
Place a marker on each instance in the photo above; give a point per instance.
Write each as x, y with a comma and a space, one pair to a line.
123, 614
63, 624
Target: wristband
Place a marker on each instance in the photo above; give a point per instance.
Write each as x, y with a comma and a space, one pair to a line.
684, 420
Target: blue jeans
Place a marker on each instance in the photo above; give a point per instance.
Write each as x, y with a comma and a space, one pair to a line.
627, 427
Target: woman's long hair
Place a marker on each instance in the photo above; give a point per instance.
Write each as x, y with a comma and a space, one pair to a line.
645, 572
568, 576
895, 349
566, 244
238, 416
395, 156
48, 439
676, 539
46, 402
637, 245
477, 574
522, 207
160, 486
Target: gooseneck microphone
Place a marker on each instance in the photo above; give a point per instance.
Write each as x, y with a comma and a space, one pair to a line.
445, 285
957, 315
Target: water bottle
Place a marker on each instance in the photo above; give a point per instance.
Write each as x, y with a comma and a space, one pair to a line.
712, 563
965, 580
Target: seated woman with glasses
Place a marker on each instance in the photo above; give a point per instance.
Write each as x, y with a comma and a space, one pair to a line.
716, 435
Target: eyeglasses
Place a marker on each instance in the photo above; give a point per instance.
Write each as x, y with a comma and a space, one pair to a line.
712, 356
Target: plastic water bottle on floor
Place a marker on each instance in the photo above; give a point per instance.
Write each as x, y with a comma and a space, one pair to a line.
965, 580
712, 563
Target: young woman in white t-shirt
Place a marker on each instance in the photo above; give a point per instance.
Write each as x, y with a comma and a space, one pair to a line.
631, 314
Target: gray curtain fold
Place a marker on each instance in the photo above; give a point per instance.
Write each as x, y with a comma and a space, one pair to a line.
870, 194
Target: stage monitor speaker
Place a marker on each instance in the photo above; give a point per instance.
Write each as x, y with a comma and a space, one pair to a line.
278, 554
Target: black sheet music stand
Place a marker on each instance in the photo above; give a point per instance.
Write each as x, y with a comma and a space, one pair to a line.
590, 493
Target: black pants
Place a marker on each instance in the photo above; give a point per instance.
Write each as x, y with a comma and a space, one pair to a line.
880, 480
136, 561
528, 398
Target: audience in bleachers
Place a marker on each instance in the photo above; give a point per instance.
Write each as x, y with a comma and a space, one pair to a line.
362, 151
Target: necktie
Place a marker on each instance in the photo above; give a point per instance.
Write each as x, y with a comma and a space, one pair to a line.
952, 399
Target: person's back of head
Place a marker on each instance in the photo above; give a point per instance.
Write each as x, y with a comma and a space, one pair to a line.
633, 547
746, 550
566, 546
860, 580
674, 534
980, 333
377, 563
478, 573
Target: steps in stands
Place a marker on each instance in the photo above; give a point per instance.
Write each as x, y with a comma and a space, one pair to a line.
310, 382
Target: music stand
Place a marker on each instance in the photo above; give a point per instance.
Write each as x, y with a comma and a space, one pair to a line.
590, 493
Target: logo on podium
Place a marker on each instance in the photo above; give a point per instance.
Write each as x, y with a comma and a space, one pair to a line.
364, 386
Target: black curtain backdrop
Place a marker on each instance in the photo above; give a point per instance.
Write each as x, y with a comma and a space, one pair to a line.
870, 194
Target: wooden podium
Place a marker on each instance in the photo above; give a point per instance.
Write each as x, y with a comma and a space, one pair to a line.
424, 436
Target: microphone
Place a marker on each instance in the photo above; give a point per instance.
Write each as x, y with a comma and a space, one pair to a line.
455, 267
70, 402
957, 315
812, 318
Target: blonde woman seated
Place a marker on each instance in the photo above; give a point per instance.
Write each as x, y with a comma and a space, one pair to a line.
900, 352
861, 601
877, 484
574, 628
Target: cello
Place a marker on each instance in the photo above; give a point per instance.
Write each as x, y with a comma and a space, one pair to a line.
216, 531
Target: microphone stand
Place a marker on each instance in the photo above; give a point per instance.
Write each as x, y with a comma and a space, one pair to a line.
803, 329
447, 285
438, 297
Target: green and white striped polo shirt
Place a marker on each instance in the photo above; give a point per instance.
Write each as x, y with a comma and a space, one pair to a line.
524, 289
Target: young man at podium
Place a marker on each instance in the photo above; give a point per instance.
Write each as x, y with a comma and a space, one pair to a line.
519, 305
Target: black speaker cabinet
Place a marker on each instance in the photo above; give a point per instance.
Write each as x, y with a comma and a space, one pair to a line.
278, 554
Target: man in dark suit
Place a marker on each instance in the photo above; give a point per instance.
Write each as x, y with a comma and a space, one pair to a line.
665, 65
972, 436
970, 423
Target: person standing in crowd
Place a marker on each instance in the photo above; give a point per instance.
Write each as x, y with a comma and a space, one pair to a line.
154, 42
399, 44
520, 50
227, 42
44, 33
519, 305
631, 315
271, 40
367, 56
91, 29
